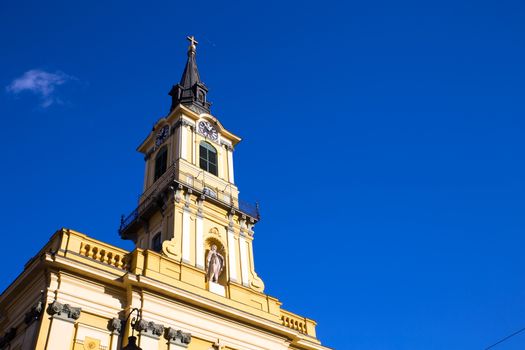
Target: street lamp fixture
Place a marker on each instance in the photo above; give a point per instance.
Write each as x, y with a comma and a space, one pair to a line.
132, 340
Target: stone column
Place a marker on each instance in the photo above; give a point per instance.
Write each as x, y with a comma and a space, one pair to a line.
177, 339
62, 326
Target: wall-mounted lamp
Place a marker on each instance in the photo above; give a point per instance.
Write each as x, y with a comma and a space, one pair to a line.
132, 340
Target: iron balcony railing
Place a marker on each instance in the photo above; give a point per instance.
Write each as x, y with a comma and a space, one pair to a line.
172, 175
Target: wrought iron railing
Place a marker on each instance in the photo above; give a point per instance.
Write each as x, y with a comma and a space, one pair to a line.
171, 175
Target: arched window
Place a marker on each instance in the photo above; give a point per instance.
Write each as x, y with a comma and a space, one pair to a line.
161, 162
208, 158
156, 244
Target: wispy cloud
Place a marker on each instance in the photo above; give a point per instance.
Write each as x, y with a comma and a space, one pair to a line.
41, 83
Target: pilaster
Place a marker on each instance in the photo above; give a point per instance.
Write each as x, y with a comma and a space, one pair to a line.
183, 139
115, 326
232, 253
186, 231
230, 164
199, 237
245, 263
62, 326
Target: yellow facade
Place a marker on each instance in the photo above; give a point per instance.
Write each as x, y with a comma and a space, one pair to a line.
105, 282
77, 292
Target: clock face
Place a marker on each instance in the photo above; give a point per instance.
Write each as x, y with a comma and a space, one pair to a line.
208, 130
162, 135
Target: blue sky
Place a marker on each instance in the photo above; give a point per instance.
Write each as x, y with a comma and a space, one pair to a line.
384, 141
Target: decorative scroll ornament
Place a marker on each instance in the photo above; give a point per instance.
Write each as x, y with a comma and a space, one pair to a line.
170, 248
178, 336
149, 327
64, 310
115, 325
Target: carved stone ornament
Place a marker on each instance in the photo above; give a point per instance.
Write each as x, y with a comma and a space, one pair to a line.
184, 122
149, 327
170, 248
64, 310
178, 337
115, 325
34, 313
178, 194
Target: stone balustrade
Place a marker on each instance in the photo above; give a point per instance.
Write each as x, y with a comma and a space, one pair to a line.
104, 253
298, 323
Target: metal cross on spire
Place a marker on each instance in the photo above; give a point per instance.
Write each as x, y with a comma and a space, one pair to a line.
193, 44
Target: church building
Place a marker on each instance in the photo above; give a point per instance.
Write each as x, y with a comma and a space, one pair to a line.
190, 283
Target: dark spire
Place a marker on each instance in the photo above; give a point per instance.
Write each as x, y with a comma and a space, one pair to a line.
190, 92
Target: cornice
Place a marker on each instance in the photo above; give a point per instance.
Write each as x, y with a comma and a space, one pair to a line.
202, 302
122, 279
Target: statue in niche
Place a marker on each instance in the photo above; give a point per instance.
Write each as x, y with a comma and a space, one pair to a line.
214, 264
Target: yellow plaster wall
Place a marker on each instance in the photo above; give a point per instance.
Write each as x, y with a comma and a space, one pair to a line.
199, 344
93, 320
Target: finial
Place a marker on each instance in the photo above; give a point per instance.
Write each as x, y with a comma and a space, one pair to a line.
193, 44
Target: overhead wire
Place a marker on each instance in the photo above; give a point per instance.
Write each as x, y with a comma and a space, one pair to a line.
506, 338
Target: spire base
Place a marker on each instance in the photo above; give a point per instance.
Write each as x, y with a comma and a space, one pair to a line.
193, 97
190, 92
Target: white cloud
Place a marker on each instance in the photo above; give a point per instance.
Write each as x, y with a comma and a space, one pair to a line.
41, 83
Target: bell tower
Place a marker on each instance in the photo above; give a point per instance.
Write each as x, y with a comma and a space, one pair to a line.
189, 212
189, 283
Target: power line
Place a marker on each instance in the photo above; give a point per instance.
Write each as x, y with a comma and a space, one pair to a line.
507, 337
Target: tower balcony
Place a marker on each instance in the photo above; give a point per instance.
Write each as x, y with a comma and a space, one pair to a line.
153, 197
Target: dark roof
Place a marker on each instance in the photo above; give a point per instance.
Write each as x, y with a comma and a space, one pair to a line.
190, 76
191, 91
